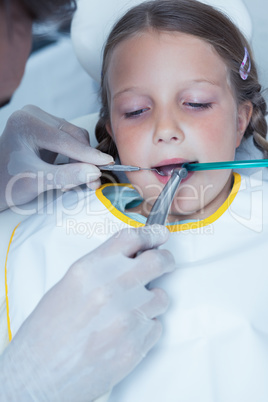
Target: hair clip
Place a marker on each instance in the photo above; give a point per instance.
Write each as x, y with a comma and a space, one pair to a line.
244, 73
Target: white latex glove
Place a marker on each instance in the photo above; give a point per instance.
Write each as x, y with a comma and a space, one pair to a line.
93, 327
29, 145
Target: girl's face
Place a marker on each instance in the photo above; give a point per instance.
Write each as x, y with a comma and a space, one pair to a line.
171, 102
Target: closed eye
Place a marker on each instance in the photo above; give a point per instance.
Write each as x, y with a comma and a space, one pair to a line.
198, 105
136, 112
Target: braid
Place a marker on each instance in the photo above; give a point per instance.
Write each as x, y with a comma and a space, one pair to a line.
258, 125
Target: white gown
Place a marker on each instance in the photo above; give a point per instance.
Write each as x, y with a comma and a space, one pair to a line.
214, 346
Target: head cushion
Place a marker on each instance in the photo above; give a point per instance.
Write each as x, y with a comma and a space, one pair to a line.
93, 21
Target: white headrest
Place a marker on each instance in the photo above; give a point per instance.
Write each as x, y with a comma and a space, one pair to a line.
93, 21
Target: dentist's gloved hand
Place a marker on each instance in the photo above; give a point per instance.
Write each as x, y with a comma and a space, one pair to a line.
29, 145
93, 327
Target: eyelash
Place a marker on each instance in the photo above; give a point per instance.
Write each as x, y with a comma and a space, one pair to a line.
193, 105
199, 106
135, 113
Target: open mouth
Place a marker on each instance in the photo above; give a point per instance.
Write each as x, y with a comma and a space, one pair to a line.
167, 170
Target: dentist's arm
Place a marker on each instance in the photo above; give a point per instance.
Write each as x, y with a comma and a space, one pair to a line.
28, 147
93, 327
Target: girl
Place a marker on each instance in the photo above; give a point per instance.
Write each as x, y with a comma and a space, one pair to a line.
179, 84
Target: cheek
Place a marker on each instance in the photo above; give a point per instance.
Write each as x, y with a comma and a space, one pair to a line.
216, 138
131, 148
127, 150
206, 139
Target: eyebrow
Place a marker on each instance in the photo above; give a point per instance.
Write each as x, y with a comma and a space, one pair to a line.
197, 81
123, 91
204, 80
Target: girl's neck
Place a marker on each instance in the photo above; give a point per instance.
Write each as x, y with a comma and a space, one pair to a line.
201, 214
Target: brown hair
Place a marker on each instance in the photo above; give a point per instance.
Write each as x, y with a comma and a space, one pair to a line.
205, 22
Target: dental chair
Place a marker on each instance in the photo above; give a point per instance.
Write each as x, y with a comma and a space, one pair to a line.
88, 34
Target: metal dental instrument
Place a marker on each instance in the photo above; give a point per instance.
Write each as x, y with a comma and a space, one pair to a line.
162, 205
192, 167
127, 168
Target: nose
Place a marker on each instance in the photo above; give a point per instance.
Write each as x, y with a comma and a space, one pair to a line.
168, 129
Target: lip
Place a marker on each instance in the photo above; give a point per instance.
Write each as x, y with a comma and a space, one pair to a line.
173, 161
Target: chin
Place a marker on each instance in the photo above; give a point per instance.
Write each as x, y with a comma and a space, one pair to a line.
184, 210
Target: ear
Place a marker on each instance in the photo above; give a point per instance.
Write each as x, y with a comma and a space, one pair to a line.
243, 118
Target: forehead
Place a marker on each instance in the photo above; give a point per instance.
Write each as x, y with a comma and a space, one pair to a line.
176, 52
